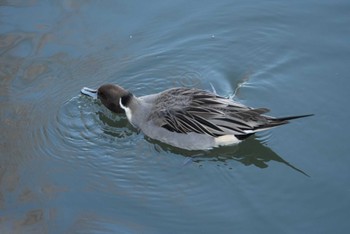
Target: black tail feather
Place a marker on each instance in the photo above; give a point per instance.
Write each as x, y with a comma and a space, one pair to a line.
292, 117
274, 122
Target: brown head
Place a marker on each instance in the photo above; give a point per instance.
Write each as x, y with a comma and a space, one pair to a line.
109, 95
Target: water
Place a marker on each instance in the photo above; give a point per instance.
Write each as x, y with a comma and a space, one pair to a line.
67, 165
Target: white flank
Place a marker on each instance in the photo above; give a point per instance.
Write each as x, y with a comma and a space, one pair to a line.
226, 140
126, 109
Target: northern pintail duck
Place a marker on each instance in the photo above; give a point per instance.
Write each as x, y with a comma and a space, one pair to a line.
188, 118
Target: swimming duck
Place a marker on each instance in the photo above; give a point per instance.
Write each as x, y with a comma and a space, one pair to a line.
188, 118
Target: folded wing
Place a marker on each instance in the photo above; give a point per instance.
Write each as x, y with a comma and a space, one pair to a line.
185, 110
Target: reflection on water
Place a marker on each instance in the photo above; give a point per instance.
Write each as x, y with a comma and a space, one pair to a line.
249, 152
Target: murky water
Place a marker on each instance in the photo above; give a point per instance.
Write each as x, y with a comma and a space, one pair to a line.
68, 165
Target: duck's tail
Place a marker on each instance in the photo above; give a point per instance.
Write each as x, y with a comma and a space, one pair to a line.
274, 122
283, 119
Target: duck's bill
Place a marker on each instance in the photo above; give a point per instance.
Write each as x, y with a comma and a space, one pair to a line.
89, 92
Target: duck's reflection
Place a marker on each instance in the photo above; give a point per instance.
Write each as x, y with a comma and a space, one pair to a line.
114, 125
249, 152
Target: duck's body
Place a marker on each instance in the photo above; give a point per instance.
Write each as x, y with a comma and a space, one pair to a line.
189, 118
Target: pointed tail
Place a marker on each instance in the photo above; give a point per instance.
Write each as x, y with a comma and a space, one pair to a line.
282, 119
276, 121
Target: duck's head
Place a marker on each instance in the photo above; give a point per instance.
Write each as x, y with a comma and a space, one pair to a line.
109, 95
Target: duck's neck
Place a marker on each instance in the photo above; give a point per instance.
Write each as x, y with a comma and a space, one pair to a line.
130, 104
126, 99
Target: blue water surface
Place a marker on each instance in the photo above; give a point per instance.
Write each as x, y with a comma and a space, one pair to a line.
68, 165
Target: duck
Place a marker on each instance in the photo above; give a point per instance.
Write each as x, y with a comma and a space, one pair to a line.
188, 118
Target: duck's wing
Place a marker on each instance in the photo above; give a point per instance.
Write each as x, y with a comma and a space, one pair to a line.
186, 110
